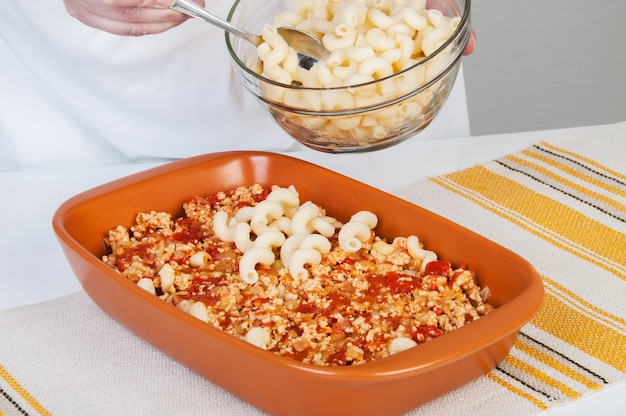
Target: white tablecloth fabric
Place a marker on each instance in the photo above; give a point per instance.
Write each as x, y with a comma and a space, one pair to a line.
66, 348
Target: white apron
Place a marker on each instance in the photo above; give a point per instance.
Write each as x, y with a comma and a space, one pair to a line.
72, 95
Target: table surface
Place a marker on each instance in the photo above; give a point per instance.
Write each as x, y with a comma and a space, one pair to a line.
31, 197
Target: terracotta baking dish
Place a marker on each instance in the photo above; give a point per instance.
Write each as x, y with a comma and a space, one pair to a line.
275, 384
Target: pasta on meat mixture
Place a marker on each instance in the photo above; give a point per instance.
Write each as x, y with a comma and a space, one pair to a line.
303, 295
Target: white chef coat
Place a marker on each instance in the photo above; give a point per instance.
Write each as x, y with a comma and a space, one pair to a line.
72, 95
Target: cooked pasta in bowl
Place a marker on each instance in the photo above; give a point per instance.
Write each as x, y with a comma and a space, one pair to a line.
391, 67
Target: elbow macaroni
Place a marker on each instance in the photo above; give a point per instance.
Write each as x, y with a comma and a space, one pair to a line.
300, 295
259, 337
167, 275
300, 258
199, 259
401, 344
300, 232
415, 249
250, 259
353, 235
368, 40
357, 231
221, 227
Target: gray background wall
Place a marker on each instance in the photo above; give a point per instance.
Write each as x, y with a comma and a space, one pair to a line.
542, 64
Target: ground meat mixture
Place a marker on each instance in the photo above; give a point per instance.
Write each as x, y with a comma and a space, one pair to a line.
351, 307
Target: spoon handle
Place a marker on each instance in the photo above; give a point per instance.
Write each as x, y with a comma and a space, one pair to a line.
190, 8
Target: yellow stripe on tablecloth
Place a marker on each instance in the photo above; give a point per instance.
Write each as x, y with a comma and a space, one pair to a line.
541, 405
541, 215
17, 388
584, 159
583, 332
583, 190
587, 308
542, 377
556, 365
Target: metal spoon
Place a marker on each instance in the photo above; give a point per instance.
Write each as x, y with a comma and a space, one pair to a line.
310, 50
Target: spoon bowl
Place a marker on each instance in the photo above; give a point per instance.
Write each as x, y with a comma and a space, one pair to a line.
310, 49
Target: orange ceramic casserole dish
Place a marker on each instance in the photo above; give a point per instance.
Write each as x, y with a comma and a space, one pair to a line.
272, 383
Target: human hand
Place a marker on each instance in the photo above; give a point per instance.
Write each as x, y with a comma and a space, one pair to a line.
144, 17
448, 6
127, 17
469, 48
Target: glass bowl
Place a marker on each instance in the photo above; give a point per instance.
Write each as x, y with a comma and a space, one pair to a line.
360, 117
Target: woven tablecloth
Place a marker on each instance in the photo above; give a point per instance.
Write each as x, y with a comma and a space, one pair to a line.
561, 204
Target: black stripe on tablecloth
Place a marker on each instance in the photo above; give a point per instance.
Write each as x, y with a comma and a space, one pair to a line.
563, 358
505, 370
12, 403
593, 203
578, 165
